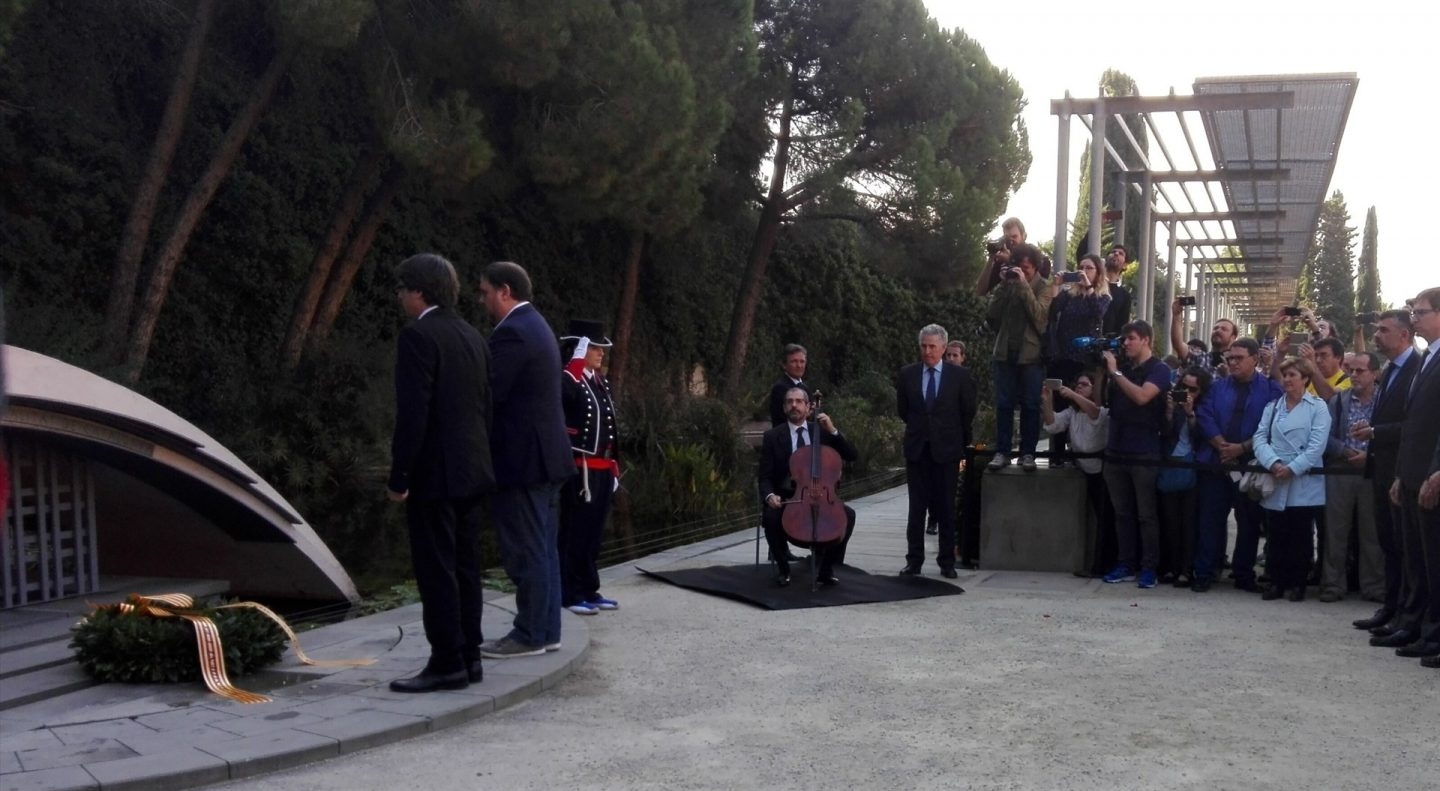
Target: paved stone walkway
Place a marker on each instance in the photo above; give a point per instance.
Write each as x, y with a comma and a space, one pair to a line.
1028, 681
147, 736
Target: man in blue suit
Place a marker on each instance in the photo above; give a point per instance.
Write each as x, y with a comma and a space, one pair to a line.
532, 458
440, 467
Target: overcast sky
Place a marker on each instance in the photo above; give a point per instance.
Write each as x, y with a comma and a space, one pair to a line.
1388, 155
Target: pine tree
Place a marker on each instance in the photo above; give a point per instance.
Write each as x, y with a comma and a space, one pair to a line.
1329, 282
1367, 290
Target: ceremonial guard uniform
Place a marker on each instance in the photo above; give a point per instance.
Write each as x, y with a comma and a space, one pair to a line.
585, 499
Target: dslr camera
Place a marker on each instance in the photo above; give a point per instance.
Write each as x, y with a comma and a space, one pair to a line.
1373, 317
1188, 302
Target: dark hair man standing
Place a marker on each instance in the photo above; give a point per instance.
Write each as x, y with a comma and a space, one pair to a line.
1118, 313
440, 467
1227, 418
1416, 490
937, 402
532, 458
1137, 422
1394, 338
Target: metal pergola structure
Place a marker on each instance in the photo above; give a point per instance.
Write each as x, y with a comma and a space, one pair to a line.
1238, 207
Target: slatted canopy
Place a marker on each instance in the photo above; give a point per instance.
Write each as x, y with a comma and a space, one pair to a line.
1239, 205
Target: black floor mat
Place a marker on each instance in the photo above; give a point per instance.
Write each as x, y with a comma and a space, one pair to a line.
755, 584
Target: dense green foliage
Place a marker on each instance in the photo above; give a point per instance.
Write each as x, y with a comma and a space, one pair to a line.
550, 132
1327, 283
136, 648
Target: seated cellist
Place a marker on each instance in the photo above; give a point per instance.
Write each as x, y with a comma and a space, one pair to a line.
777, 486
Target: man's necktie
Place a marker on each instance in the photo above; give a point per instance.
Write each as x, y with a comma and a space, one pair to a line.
799, 437
930, 389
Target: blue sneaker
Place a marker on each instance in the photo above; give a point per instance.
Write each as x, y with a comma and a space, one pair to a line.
583, 608
1121, 573
1147, 579
602, 603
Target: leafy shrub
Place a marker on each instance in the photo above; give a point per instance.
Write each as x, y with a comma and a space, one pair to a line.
137, 648
876, 436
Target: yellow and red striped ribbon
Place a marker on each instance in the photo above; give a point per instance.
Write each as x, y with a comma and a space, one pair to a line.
207, 639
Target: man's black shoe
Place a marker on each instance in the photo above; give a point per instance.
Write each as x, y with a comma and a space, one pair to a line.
474, 671
1381, 617
1419, 648
426, 681
1247, 585
1396, 639
968, 565
1430, 661
782, 580
1387, 629
948, 574
829, 579
910, 571
1201, 585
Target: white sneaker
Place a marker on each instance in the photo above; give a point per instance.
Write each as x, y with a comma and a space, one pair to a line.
583, 609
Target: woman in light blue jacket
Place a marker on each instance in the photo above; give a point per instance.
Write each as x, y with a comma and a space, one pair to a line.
1290, 443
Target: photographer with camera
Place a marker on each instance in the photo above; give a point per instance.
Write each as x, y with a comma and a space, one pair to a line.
1137, 422
1323, 350
1019, 308
1177, 484
1088, 424
1078, 303
999, 254
1193, 352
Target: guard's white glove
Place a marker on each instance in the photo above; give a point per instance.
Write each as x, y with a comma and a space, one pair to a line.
582, 346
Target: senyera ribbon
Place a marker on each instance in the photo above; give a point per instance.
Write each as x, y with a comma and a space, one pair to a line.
207, 639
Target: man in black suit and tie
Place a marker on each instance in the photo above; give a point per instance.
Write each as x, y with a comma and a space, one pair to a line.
532, 459
440, 467
777, 486
1416, 489
1394, 339
937, 402
793, 360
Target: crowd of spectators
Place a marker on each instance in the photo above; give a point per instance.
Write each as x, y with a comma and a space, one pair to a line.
1330, 454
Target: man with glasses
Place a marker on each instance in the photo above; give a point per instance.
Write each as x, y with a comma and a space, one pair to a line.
1348, 499
1416, 490
1394, 340
1228, 417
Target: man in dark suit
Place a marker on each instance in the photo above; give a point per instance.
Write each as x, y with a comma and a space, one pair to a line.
1394, 339
793, 360
777, 486
1416, 490
440, 467
532, 459
937, 402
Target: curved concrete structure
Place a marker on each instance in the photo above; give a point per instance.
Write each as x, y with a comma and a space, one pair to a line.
170, 500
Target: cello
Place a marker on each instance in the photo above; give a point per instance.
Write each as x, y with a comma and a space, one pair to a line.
818, 517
